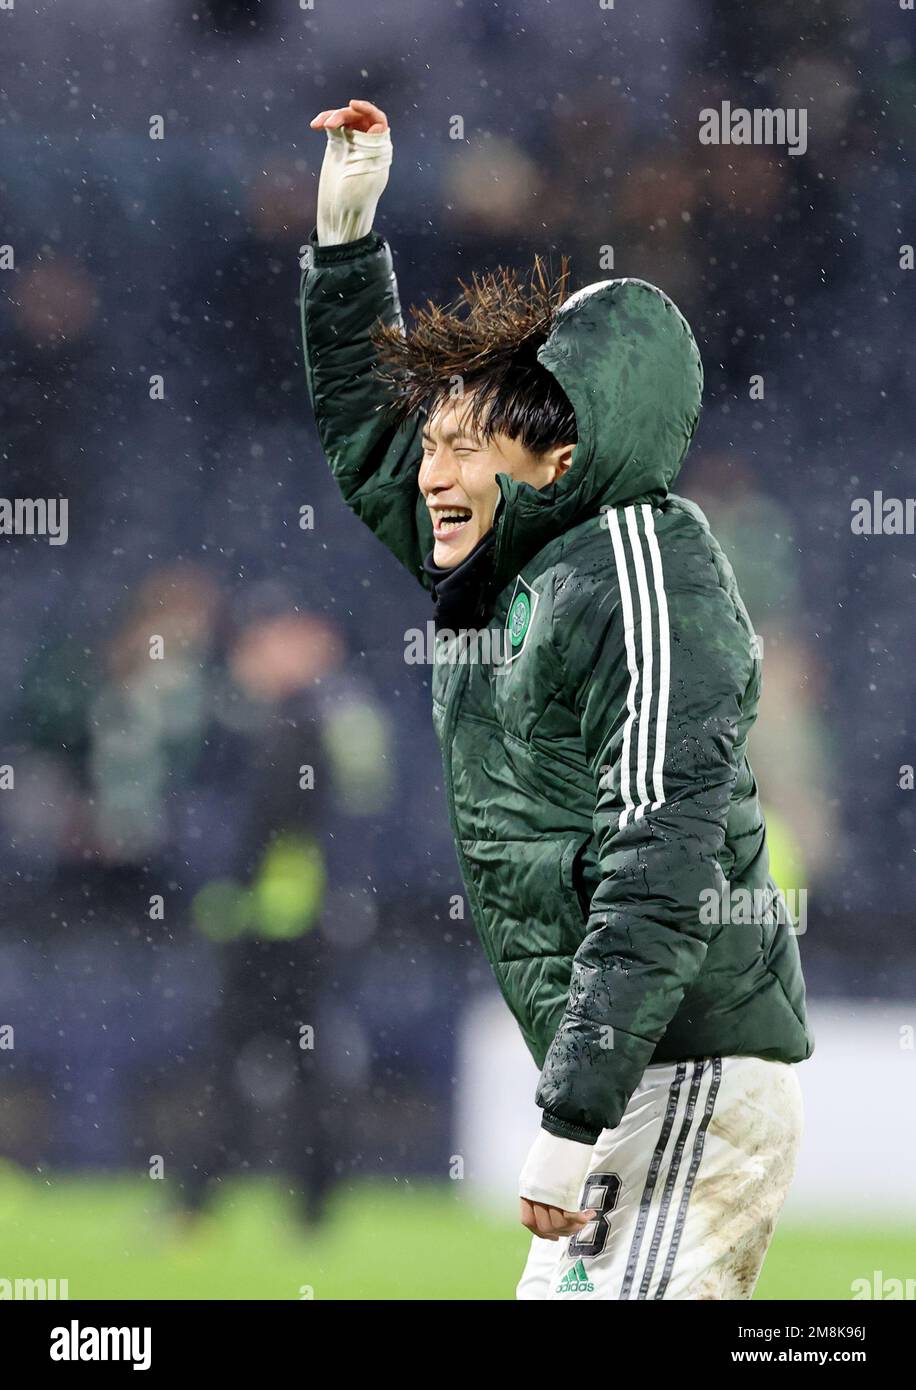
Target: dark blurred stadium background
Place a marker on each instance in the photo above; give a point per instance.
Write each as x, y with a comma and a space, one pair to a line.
173, 1029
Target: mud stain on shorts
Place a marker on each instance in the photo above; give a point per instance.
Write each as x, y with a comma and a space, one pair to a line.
736, 1201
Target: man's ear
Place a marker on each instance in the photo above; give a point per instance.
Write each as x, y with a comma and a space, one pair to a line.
561, 458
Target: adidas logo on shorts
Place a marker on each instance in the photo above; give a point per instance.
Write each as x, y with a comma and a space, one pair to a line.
576, 1280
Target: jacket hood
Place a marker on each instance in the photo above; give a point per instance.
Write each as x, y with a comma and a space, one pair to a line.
626, 358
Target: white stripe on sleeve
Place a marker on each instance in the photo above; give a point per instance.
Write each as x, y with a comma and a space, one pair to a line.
626, 600
664, 661
645, 710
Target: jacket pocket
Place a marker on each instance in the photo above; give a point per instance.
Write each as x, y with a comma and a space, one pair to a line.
577, 873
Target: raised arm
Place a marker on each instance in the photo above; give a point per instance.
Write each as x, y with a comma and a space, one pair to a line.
347, 286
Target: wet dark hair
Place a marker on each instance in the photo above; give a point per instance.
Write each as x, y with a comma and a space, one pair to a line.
483, 348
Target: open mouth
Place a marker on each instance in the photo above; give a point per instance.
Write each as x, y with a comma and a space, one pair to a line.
448, 521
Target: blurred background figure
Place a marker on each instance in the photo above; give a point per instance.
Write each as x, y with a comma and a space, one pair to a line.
264, 1096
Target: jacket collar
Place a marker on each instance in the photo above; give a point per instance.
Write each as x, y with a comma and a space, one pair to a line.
462, 594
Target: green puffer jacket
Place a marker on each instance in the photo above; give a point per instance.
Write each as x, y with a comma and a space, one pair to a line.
598, 782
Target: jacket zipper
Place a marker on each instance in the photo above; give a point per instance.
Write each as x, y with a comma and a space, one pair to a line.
452, 701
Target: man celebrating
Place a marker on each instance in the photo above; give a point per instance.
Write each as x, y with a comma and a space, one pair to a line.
516, 452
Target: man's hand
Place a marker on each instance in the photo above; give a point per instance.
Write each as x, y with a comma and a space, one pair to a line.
357, 115
354, 173
550, 1184
552, 1223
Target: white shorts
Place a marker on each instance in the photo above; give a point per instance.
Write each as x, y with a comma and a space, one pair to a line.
688, 1188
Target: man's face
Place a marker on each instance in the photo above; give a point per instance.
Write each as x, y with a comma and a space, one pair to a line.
458, 478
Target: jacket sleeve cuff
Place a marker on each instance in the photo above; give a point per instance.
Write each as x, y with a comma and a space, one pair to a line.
555, 1171
565, 1129
346, 250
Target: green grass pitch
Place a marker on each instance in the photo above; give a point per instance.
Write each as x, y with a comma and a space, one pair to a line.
118, 1237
